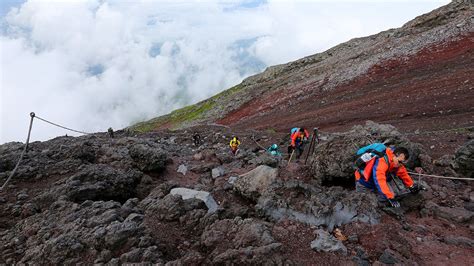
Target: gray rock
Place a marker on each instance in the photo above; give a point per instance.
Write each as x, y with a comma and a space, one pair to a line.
102, 182
147, 158
387, 257
217, 172
464, 159
252, 184
22, 196
333, 163
248, 241
445, 161
459, 240
459, 215
232, 179
204, 196
325, 242
182, 169
331, 207
265, 159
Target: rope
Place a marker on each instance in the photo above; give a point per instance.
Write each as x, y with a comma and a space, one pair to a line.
253, 138
25, 149
82, 132
444, 177
22, 153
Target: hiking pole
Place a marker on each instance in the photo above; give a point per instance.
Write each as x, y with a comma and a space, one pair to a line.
291, 156
309, 149
312, 144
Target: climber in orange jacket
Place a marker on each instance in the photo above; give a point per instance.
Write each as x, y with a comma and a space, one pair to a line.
298, 133
298, 137
378, 173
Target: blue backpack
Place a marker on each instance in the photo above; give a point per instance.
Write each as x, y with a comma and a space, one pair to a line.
368, 152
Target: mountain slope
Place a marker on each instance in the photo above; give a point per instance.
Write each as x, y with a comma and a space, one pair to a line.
415, 77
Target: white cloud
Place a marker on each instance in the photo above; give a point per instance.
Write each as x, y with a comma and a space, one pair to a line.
98, 63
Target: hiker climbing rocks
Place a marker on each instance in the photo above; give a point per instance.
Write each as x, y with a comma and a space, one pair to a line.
377, 166
197, 139
274, 150
298, 137
234, 145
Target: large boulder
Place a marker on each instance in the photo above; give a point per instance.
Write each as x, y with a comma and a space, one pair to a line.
102, 182
238, 241
254, 183
148, 158
266, 159
204, 196
464, 159
312, 205
333, 161
459, 215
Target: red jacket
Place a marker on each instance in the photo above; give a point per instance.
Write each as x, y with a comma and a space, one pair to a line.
376, 174
297, 134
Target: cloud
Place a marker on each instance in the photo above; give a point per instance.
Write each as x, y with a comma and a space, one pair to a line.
93, 64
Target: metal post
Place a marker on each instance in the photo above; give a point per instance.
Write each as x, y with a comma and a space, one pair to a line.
32, 115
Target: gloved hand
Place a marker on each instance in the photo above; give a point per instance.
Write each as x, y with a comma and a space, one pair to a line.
394, 203
415, 188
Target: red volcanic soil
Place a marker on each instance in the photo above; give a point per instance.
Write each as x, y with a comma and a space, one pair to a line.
430, 91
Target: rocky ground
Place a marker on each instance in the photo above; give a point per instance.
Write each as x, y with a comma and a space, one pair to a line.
95, 199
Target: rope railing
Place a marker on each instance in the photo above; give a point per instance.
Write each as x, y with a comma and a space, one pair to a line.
32, 115
443, 177
25, 149
63, 127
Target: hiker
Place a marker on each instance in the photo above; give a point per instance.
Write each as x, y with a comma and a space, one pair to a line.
234, 145
196, 139
377, 166
274, 150
298, 137
111, 132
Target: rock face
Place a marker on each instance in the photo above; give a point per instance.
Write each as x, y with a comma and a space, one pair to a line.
102, 182
464, 159
256, 182
333, 161
248, 237
315, 206
148, 158
204, 196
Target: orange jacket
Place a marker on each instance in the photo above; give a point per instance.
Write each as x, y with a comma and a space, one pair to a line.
376, 174
297, 134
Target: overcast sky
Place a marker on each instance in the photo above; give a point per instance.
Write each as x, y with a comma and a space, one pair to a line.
94, 64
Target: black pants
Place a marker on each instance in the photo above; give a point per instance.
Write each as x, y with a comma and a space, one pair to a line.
298, 150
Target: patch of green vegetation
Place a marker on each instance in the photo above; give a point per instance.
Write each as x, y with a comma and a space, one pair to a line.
225, 95
270, 130
189, 113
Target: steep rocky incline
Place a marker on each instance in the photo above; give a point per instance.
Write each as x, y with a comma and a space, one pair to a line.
157, 198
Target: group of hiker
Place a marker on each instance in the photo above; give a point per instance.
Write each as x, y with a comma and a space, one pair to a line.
298, 137
378, 167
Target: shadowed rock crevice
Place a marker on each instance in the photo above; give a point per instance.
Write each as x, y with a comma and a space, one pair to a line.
102, 183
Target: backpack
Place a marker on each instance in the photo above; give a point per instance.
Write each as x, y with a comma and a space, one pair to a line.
367, 153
